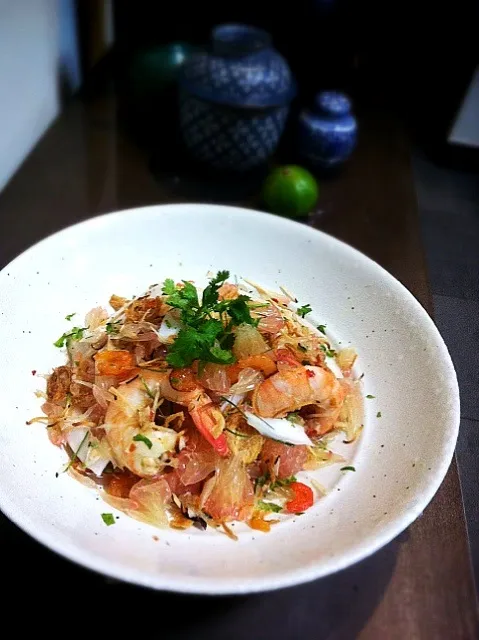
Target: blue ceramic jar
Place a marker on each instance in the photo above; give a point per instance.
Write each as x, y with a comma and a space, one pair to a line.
328, 132
234, 100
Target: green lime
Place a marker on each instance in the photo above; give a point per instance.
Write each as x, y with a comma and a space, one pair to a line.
290, 191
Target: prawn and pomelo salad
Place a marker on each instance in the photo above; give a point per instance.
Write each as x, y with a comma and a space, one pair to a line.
199, 408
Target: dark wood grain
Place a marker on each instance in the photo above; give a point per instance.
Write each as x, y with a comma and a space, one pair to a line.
418, 586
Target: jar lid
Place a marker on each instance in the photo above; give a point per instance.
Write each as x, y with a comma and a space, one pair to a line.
242, 70
333, 103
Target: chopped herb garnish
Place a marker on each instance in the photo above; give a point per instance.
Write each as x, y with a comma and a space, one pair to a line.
268, 506
108, 519
261, 480
284, 482
70, 316
75, 334
236, 433
348, 469
233, 405
112, 327
322, 328
206, 333
304, 310
293, 417
168, 324
141, 438
370, 397
147, 389
75, 453
330, 353
378, 414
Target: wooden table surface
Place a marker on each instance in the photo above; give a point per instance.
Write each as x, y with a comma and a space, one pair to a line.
418, 586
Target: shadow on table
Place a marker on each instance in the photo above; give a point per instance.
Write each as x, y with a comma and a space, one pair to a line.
333, 608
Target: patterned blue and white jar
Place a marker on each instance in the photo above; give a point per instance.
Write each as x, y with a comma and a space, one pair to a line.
328, 132
234, 100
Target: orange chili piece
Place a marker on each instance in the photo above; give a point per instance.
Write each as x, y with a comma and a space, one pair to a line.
115, 363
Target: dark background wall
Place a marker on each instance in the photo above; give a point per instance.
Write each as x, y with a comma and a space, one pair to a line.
416, 56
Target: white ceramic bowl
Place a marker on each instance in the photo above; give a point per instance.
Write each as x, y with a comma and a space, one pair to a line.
400, 459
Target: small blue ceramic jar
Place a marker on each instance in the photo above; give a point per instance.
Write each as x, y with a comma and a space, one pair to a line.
234, 100
328, 132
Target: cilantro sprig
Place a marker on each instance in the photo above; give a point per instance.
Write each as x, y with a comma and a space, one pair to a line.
330, 353
304, 310
206, 334
75, 334
269, 506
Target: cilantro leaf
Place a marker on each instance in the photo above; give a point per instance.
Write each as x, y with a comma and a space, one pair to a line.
75, 334
169, 287
348, 469
284, 482
268, 506
184, 298
112, 327
184, 350
378, 414
239, 311
370, 397
210, 294
293, 417
330, 353
207, 327
108, 519
304, 310
70, 316
220, 356
141, 438
322, 328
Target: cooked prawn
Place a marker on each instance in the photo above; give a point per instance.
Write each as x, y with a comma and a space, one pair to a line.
293, 388
136, 441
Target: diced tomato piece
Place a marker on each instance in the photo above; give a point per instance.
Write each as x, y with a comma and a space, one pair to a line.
303, 498
115, 363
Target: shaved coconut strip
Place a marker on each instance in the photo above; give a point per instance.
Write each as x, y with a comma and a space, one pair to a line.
169, 328
232, 400
279, 429
267, 294
84, 452
321, 489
